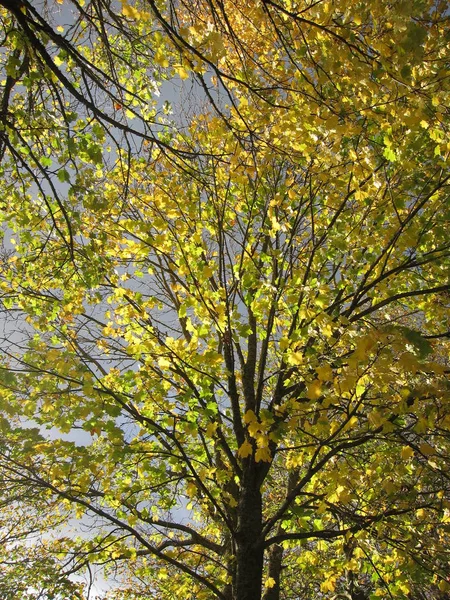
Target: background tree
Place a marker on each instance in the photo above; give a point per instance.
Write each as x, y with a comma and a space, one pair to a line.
246, 310
29, 519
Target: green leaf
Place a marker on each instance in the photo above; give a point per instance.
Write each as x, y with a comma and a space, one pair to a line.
418, 341
63, 176
46, 161
389, 154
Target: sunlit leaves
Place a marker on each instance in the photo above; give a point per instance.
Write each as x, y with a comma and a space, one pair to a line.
245, 450
246, 299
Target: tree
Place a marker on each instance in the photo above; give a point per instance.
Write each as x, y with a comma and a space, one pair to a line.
28, 520
244, 307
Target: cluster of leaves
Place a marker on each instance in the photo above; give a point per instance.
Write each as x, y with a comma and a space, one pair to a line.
246, 315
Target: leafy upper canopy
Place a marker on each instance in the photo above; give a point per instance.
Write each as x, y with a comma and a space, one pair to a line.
250, 295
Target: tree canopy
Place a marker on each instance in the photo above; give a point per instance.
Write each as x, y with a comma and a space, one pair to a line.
225, 299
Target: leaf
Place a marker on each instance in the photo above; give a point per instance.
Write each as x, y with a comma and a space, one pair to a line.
409, 362
211, 429
284, 343
253, 428
263, 454
295, 358
164, 363
389, 154
161, 59
324, 373
207, 271
245, 450
314, 389
269, 233
46, 161
249, 417
63, 176
329, 585
129, 11
407, 452
418, 341
182, 72
426, 449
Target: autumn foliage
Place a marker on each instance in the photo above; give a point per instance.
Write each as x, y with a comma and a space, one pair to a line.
225, 291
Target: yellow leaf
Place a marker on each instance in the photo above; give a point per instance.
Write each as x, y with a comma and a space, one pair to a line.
232, 502
207, 271
296, 358
388, 486
375, 418
88, 388
109, 329
284, 343
270, 582
421, 426
426, 449
216, 43
253, 428
363, 346
182, 72
47, 405
407, 452
191, 489
436, 368
275, 226
130, 12
52, 355
249, 417
409, 362
132, 520
263, 454
144, 16
328, 585
160, 59
245, 450
324, 373
262, 441
211, 429
314, 389
343, 494
352, 422
334, 427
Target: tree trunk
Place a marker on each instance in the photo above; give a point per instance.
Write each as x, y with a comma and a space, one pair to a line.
276, 551
249, 547
275, 565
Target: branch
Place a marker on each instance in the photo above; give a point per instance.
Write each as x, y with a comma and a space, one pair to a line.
386, 301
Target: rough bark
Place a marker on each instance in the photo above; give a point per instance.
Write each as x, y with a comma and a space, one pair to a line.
276, 552
274, 571
249, 548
